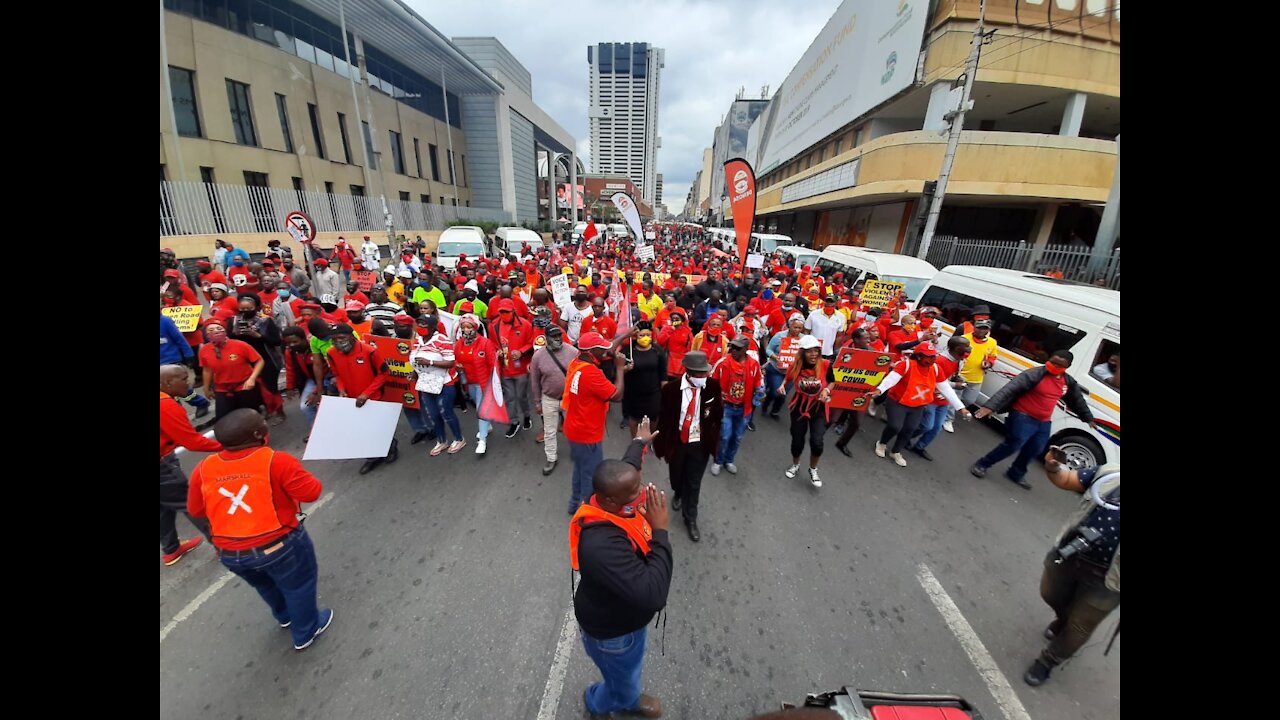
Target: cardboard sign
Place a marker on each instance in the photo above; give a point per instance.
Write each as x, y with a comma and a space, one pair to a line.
878, 293
645, 253
366, 279
343, 431
856, 372
186, 317
755, 260
403, 386
560, 290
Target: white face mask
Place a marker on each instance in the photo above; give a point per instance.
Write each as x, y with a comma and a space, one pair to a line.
698, 382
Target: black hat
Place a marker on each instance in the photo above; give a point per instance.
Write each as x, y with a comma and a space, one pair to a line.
696, 361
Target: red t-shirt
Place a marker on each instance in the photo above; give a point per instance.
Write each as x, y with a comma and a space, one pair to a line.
476, 360
605, 325
517, 336
233, 368
290, 484
1043, 398
587, 401
239, 277
948, 368
360, 372
209, 278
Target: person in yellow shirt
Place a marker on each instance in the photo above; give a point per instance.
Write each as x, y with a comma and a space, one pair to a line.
396, 290
974, 369
649, 302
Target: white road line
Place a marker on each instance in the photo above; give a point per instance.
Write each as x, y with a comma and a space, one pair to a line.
208, 592
996, 682
559, 667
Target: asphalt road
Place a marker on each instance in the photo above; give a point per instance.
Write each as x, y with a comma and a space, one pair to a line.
450, 582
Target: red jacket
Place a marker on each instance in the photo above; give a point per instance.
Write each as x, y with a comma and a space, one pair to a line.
176, 430
677, 344
512, 337
738, 381
297, 369
476, 360
359, 373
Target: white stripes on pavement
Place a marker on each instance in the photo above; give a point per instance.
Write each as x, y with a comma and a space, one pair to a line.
996, 682
559, 665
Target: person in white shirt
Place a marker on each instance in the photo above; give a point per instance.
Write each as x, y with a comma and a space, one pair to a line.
826, 324
370, 254
575, 312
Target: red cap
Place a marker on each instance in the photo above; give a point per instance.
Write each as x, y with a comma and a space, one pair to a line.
462, 256
402, 320
322, 262
172, 273
312, 306
354, 306
804, 268
925, 349
203, 263
505, 304
467, 307
592, 341
168, 251
838, 275
752, 310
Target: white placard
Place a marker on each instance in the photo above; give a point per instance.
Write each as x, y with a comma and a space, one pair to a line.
560, 290
645, 252
651, 235
343, 431
755, 260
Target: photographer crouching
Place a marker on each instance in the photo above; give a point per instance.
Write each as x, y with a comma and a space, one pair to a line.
1081, 580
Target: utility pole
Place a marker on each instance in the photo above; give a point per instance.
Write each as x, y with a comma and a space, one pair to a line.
953, 141
1109, 228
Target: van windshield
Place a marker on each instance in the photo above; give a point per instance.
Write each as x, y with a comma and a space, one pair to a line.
914, 285
767, 245
450, 249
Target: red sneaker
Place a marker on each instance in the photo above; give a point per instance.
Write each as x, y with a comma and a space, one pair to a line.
183, 549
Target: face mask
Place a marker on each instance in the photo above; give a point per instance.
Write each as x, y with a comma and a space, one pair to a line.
345, 346
284, 294
676, 322
698, 382
541, 322
237, 262
644, 342
423, 332
469, 335
829, 310
767, 294
629, 510
925, 323
218, 337
788, 306
1054, 369
580, 299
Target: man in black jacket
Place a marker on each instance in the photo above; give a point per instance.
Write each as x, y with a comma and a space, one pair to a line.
1030, 400
692, 407
618, 540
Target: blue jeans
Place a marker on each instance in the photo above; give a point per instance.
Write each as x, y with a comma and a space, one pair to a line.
196, 400
930, 426
1023, 435
439, 409
620, 659
586, 458
418, 419
286, 579
306, 410
773, 380
732, 428
476, 391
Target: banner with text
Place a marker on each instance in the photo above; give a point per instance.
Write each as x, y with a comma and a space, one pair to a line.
186, 317
878, 293
856, 372
403, 386
740, 179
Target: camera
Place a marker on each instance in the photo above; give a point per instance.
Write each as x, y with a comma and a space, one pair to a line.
1082, 541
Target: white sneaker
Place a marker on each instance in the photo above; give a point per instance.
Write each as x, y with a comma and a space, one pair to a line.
880, 449
791, 471
733, 469
897, 457
814, 480
871, 409
949, 426
715, 468
481, 446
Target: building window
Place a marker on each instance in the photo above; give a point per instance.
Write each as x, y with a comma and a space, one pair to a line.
417, 157
370, 156
333, 204
362, 207
836, 150
435, 165
397, 153
455, 202
464, 171
260, 202
404, 196
316, 135
241, 114
182, 86
215, 202
297, 190
442, 200
857, 137
346, 141
284, 123
822, 152
426, 199
453, 179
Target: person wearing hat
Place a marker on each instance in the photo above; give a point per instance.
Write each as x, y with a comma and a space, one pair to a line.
173, 278
260, 332
826, 325
477, 357
360, 372
356, 318
808, 375
984, 351
910, 388
586, 404
344, 256
742, 383
547, 372
230, 370
370, 253
207, 276
513, 336
692, 410
328, 282
935, 414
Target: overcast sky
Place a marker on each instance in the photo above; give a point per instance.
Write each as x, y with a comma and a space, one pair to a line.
712, 49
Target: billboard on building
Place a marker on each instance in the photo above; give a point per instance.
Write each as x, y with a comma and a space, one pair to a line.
731, 140
866, 54
564, 194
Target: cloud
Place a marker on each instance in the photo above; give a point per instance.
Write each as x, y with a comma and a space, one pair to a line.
712, 49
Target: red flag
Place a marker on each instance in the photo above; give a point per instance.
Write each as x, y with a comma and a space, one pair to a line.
589, 233
740, 179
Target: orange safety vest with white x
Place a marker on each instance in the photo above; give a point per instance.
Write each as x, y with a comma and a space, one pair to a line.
917, 385
237, 495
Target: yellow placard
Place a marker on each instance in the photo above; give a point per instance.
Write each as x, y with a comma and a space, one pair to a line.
878, 293
186, 317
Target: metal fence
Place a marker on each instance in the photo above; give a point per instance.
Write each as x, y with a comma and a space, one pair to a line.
1071, 261
188, 208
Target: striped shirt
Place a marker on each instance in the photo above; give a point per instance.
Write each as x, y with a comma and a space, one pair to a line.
381, 311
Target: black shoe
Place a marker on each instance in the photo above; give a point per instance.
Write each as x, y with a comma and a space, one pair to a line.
511, 431
528, 423
202, 411
774, 414
394, 453
1022, 482
549, 467
369, 465
1051, 632
1037, 673
978, 471
675, 503
922, 453
844, 449
751, 425
692, 525
420, 436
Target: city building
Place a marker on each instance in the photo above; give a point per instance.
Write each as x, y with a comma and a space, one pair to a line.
598, 189
265, 110
623, 91
730, 142
1035, 160
657, 199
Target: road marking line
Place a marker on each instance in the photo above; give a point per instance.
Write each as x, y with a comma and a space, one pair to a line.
559, 666
996, 682
208, 592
